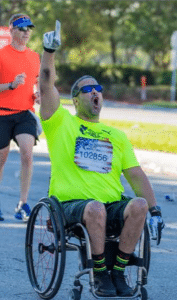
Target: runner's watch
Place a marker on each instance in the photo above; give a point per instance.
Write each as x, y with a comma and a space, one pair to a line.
10, 86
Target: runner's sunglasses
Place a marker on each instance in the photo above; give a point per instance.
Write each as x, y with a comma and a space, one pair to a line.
87, 89
26, 28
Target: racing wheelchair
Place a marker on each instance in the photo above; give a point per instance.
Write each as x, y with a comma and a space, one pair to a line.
48, 238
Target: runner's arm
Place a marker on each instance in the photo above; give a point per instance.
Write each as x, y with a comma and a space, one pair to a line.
19, 80
140, 184
4, 87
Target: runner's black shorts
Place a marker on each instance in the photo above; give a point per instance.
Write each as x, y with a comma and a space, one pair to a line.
73, 211
12, 125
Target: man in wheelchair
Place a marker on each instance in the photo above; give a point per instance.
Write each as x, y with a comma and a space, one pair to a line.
87, 160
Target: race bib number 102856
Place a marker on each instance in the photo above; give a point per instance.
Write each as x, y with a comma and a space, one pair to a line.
93, 155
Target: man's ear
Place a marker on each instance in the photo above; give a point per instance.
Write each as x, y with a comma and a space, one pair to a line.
75, 101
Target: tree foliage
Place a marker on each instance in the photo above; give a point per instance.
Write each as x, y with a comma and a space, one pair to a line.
104, 31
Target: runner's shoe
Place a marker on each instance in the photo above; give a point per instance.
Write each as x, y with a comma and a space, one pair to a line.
23, 212
1, 217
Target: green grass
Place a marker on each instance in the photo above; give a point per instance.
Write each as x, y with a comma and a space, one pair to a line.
67, 101
161, 103
146, 136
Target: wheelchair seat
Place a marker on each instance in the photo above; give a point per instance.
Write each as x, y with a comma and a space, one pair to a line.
48, 235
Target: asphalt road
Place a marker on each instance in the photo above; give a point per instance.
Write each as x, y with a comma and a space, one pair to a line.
14, 281
122, 111
132, 112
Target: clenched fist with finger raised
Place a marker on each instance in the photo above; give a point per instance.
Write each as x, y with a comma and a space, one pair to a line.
52, 39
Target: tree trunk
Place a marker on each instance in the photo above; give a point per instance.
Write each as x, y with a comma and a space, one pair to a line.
113, 49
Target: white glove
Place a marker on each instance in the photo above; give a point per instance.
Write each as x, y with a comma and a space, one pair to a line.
52, 39
156, 225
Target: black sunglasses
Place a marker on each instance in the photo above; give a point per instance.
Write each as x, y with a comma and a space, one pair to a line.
87, 89
26, 28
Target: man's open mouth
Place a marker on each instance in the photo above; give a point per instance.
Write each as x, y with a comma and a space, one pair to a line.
95, 100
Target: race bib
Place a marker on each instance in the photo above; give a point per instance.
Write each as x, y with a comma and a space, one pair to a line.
93, 155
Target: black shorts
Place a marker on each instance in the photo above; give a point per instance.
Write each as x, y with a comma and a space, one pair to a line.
12, 125
74, 209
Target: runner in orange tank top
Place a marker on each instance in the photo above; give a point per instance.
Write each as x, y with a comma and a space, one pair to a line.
19, 71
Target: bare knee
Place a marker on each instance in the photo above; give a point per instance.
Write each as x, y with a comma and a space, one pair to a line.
137, 208
94, 212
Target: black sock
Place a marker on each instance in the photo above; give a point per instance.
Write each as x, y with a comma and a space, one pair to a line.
122, 260
99, 263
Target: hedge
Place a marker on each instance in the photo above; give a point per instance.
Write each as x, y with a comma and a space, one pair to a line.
112, 74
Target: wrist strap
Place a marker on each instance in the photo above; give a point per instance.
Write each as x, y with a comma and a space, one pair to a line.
155, 211
10, 86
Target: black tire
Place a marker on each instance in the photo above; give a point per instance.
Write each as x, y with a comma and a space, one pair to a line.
74, 294
45, 248
144, 294
147, 254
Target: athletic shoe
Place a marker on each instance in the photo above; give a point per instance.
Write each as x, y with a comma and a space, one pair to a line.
103, 285
23, 212
120, 284
1, 218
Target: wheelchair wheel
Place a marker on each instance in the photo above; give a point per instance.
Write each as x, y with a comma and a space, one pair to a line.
147, 248
144, 294
74, 294
45, 248
132, 270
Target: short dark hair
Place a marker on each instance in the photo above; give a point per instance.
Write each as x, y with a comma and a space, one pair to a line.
16, 16
75, 88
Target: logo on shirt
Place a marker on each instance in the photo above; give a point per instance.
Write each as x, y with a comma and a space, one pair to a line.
85, 130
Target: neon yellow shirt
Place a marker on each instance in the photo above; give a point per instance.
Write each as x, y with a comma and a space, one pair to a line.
87, 158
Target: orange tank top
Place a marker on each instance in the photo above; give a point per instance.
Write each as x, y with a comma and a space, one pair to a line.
12, 63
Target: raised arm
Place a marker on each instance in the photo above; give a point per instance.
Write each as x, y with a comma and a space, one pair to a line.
50, 99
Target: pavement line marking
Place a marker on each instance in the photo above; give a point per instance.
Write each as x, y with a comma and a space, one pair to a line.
5, 225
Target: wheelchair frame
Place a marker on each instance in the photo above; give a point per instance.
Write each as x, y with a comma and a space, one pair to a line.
47, 240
